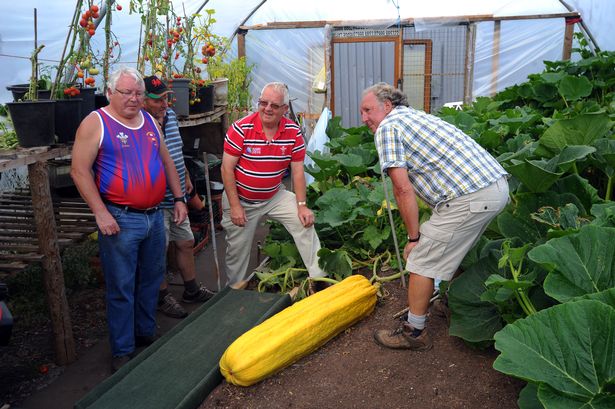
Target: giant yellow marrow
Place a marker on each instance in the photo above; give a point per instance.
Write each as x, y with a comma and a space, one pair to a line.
297, 330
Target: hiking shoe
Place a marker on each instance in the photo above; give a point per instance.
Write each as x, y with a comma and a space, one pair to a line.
119, 361
200, 295
169, 306
402, 338
439, 308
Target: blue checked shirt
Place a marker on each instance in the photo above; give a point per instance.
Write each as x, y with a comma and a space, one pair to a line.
442, 162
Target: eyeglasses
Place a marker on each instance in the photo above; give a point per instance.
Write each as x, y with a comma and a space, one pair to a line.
265, 104
128, 94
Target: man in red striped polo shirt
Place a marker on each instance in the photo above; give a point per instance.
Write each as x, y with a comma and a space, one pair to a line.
257, 152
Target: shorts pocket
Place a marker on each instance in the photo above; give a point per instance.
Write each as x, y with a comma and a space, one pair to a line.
431, 247
485, 206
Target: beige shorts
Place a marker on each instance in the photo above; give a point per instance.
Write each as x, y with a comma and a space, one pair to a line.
453, 229
175, 232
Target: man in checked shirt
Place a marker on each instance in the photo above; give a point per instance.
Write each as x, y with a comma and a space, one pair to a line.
463, 184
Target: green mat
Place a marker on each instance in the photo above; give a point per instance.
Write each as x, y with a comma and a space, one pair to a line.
181, 368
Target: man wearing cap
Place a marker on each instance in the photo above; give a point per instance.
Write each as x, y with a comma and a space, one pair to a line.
156, 103
122, 167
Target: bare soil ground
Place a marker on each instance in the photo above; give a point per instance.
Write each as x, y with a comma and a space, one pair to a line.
350, 371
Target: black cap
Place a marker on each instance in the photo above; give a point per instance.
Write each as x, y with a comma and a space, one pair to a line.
155, 88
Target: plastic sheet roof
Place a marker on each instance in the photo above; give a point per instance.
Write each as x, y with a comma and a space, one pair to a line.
16, 30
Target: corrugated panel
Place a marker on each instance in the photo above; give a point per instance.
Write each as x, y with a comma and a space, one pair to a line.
448, 62
356, 66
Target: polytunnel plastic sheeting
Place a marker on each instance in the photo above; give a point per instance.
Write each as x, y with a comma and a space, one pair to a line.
291, 56
524, 46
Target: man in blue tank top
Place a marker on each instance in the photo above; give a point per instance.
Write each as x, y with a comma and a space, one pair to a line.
121, 167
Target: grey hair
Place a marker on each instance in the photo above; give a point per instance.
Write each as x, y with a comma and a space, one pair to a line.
383, 92
279, 87
129, 71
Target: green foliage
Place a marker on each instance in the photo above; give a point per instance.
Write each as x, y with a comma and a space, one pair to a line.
567, 351
546, 301
27, 289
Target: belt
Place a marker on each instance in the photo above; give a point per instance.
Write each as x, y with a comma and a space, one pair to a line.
252, 201
149, 210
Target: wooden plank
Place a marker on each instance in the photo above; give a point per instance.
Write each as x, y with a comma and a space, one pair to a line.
28, 156
22, 256
464, 19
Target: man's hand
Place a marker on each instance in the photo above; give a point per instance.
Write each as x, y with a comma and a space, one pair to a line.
238, 216
106, 223
306, 216
180, 212
408, 248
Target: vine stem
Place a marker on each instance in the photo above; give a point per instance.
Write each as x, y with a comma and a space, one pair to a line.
609, 188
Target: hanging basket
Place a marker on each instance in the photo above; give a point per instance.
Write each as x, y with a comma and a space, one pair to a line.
34, 122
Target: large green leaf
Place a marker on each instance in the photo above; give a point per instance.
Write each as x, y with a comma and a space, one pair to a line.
472, 319
528, 397
582, 130
519, 226
337, 206
537, 175
581, 188
573, 88
579, 264
336, 263
568, 350
606, 296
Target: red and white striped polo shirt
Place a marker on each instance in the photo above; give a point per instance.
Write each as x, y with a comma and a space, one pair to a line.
262, 163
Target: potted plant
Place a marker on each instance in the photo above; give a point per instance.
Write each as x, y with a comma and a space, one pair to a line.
33, 119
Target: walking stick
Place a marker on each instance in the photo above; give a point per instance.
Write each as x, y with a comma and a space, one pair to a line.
211, 219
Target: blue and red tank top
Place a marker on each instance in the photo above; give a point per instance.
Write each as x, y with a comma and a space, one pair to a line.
128, 169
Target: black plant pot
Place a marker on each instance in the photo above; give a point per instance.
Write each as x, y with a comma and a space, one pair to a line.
19, 90
88, 104
100, 101
206, 103
34, 122
67, 119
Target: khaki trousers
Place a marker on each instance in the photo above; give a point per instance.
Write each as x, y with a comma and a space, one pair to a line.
283, 208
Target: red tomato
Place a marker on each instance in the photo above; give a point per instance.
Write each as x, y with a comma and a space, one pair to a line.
119, 7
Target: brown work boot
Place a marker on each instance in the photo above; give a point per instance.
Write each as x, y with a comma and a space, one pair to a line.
402, 338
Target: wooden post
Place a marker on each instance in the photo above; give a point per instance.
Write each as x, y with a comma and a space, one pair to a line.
52, 264
468, 83
568, 34
241, 43
495, 57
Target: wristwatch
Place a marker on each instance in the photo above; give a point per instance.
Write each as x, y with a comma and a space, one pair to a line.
301, 203
180, 199
410, 240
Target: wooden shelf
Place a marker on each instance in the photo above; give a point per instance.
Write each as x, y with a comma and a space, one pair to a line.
204, 118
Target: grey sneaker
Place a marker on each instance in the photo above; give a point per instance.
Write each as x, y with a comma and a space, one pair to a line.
169, 306
402, 338
200, 295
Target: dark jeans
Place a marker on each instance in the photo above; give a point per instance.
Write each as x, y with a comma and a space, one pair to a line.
133, 262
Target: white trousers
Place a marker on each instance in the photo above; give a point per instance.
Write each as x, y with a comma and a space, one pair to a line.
283, 208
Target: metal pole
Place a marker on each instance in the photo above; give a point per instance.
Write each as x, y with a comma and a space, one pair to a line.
211, 219
386, 195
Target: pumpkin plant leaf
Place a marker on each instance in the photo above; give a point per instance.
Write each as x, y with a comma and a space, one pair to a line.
568, 350
579, 264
